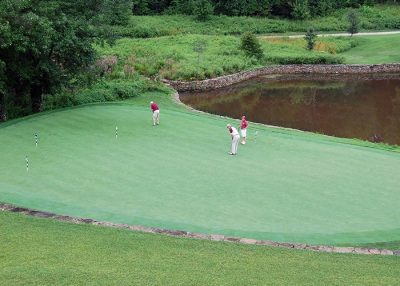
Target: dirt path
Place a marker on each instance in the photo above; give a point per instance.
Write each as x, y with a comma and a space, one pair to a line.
339, 34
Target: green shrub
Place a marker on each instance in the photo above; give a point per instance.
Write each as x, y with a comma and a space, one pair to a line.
251, 46
102, 91
203, 10
310, 38
354, 22
316, 59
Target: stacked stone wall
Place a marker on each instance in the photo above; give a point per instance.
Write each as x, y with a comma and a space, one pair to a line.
227, 80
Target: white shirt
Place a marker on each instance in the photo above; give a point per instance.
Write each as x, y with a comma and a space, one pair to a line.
234, 131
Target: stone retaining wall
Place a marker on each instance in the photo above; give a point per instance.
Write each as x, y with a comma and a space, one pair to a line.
213, 237
282, 69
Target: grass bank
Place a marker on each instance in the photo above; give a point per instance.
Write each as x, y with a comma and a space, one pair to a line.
193, 57
177, 57
45, 252
384, 17
374, 50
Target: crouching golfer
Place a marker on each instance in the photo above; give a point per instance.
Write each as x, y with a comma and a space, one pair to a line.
235, 138
156, 113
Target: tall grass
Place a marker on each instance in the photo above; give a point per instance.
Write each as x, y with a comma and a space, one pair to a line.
178, 57
371, 18
332, 45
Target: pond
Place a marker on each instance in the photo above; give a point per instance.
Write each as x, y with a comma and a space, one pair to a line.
351, 106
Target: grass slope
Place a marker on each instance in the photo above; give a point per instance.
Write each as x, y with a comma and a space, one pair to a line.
45, 252
283, 185
175, 57
375, 50
379, 17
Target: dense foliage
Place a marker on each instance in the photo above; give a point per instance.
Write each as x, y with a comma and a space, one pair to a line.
382, 17
46, 45
297, 9
101, 91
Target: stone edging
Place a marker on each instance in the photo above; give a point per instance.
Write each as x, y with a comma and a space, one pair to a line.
186, 234
227, 80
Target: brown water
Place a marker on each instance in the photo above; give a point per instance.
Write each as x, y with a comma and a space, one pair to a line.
364, 107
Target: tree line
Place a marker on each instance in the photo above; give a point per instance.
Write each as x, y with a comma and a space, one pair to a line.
46, 45
291, 9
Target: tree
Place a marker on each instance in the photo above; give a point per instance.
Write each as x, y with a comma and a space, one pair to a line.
251, 46
116, 12
185, 7
199, 47
320, 7
310, 38
41, 49
354, 22
3, 115
300, 10
140, 7
203, 9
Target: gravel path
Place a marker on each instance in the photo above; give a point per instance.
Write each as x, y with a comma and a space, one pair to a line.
340, 34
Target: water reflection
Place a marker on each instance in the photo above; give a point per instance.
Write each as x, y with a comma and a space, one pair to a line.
365, 107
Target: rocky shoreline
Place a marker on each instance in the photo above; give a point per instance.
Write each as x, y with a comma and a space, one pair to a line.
337, 71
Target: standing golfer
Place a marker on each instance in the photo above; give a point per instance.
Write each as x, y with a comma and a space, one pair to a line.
156, 113
243, 129
235, 139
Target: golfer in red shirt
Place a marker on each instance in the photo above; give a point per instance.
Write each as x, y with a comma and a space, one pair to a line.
156, 113
243, 129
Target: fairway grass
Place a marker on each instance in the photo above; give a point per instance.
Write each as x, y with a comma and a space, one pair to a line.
374, 50
46, 252
284, 185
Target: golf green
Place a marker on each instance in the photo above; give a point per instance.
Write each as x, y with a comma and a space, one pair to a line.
283, 185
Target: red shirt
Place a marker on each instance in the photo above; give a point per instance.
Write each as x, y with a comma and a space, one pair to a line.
154, 106
244, 124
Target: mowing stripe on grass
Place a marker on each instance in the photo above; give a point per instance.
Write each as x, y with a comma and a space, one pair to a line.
286, 186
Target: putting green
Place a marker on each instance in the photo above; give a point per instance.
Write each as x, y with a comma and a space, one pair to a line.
283, 185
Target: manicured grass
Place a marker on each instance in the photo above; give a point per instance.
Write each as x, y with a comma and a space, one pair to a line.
374, 50
45, 252
283, 185
393, 245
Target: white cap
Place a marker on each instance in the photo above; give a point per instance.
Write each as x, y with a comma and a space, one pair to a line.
151, 102
228, 125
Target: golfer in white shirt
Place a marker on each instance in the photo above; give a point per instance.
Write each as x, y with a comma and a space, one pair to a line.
235, 139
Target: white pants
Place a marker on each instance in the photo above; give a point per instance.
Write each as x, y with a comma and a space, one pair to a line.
235, 142
156, 117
